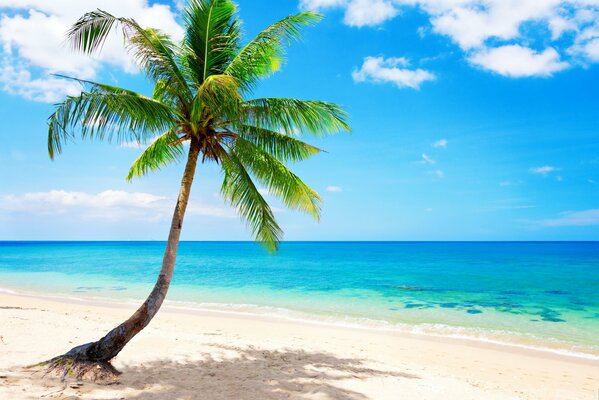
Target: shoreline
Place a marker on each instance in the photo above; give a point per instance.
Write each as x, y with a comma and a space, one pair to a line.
230, 355
501, 340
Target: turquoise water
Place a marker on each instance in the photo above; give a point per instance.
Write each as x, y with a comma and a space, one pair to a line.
541, 294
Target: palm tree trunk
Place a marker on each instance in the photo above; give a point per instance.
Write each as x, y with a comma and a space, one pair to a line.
83, 359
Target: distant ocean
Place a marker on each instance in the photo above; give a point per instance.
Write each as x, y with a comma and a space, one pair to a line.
533, 294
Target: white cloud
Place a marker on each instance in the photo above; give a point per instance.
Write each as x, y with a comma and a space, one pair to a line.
381, 70
369, 12
17, 80
472, 22
357, 12
439, 173
574, 218
543, 170
32, 43
516, 61
317, 5
440, 143
334, 189
425, 159
106, 205
591, 49
568, 28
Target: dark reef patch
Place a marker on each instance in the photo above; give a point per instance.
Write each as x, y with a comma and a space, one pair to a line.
474, 311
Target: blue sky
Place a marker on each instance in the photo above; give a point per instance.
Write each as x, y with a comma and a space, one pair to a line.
472, 120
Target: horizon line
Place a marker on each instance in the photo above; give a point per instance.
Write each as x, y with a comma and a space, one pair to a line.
294, 241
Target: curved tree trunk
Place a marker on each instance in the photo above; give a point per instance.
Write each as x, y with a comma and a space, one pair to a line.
91, 360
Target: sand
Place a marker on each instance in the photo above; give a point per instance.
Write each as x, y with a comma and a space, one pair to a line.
213, 355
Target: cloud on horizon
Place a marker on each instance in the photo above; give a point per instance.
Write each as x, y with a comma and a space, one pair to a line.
573, 218
106, 205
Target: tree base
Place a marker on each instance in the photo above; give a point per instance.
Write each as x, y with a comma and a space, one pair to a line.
69, 367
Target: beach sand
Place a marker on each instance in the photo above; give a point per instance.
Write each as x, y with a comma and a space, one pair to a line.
185, 354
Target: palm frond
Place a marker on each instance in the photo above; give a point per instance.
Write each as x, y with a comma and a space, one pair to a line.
104, 112
277, 178
153, 50
165, 149
264, 54
283, 147
166, 93
156, 54
211, 37
217, 99
90, 32
293, 116
240, 191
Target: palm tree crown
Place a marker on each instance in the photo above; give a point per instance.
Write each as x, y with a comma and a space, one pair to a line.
200, 96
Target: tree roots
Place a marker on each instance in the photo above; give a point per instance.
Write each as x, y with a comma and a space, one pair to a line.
69, 367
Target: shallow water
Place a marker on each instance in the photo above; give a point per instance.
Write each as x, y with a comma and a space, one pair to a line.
534, 293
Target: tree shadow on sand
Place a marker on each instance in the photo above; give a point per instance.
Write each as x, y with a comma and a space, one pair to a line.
251, 374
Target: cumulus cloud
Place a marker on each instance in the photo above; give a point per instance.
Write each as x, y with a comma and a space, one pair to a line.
516, 61
369, 12
106, 205
32, 43
573, 218
441, 143
591, 49
544, 170
485, 29
334, 189
357, 12
472, 22
391, 70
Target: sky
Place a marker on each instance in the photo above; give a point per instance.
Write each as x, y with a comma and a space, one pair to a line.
471, 120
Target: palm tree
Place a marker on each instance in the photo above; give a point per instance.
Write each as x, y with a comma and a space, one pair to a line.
200, 100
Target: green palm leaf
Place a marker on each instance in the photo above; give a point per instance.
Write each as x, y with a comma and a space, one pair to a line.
264, 54
165, 149
239, 190
294, 116
153, 50
217, 99
211, 37
277, 178
284, 147
104, 112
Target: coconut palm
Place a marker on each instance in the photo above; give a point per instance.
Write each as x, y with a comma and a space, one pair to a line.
199, 111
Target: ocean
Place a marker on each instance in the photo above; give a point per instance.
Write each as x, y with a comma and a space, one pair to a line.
531, 294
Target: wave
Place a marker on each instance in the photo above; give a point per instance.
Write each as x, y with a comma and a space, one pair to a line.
497, 337
505, 338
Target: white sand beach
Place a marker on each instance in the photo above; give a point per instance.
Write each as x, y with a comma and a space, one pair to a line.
212, 355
